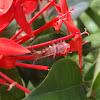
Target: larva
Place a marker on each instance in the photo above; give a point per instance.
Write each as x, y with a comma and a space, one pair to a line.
60, 48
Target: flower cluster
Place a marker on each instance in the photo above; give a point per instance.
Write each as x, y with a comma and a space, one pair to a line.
11, 49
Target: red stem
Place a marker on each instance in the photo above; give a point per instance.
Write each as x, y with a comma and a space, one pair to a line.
39, 67
26, 57
80, 46
80, 63
22, 38
38, 14
26, 37
30, 57
50, 42
17, 85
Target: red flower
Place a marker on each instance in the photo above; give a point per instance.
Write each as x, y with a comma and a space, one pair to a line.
73, 29
64, 16
9, 48
10, 9
29, 6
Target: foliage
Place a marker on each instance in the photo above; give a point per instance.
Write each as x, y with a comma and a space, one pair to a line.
71, 75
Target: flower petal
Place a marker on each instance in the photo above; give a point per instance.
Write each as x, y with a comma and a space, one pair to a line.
63, 5
79, 47
8, 47
30, 6
5, 6
58, 25
73, 46
21, 20
7, 62
6, 18
71, 27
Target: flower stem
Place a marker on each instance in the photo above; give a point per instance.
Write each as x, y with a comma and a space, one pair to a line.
17, 85
39, 67
26, 57
30, 57
22, 38
50, 42
38, 14
26, 37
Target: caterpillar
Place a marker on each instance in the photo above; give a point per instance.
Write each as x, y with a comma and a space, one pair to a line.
55, 49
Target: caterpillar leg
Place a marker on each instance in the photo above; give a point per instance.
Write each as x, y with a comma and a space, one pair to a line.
34, 55
54, 49
34, 62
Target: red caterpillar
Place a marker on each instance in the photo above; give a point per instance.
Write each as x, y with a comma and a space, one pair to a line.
61, 48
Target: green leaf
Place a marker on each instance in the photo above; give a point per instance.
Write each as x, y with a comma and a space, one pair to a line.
63, 82
89, 74
47, 37
80, 25
36, 76
86, 48
95, 16
10, 30
96, 89
96, 6
39, 22
94, 39
96, 84
15, 93
79, 6
96, 78
92, 99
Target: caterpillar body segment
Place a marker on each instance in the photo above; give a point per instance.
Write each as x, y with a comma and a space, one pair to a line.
55, 49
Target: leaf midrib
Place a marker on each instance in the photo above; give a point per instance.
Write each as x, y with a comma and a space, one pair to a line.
56, 91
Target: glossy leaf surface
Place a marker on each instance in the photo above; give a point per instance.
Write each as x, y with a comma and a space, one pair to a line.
96, 78
61, 83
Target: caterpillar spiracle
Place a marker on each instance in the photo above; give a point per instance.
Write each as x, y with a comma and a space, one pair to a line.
55, 49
